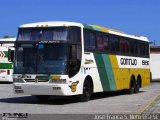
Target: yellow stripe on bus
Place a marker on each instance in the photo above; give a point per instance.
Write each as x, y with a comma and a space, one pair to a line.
122, 75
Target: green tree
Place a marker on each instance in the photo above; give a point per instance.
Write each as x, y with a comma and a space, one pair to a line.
6, 36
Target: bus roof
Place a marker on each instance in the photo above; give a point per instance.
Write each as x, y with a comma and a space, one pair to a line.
51, 24
87, 26
115, 32
7, 40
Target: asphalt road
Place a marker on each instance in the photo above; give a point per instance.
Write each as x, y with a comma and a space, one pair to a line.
101, 103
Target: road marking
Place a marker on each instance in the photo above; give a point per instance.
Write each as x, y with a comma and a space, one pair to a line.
151, 103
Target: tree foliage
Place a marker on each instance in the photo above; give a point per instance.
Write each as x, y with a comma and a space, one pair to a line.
6, 36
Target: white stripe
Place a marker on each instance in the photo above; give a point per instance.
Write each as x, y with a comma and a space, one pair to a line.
132, 62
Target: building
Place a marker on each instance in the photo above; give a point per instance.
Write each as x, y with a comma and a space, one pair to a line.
155, 62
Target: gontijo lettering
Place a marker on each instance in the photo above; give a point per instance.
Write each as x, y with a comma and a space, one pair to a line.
128, 61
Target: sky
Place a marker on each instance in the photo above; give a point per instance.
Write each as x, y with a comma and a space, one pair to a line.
138, 17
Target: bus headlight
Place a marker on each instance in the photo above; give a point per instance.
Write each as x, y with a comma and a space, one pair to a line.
61, 81
18, 80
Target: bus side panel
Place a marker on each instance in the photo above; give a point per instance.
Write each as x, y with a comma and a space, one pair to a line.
120, 74
105, 72
144, 73
90, 69
109, 71
145, 77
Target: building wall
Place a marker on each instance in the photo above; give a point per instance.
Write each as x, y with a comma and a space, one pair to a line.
155, 62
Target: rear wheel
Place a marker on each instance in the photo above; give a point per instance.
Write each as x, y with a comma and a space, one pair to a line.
87, 91
151, 77
137, 86
132, 86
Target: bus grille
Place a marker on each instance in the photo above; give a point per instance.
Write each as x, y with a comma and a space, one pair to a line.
36, 80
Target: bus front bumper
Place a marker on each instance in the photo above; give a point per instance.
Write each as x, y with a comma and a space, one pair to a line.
42, 89
6, 78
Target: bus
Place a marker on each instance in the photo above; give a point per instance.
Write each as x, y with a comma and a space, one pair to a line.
67, 58
6, 66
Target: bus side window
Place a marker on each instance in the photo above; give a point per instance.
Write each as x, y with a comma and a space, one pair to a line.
133, 47
74, 59
124, 46
114, 45
92, 41
75, 34
10, 55
86, 39
89, 40
141, 48
146, 49
106, 42
100, 42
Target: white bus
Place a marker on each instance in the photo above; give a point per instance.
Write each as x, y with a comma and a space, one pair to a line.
6, 67
68, 58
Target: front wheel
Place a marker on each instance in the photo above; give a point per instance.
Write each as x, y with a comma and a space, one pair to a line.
87, 91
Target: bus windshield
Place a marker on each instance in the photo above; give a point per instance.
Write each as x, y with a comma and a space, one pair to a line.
42, 34
41, 58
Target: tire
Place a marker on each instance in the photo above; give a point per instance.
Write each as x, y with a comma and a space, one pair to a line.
137, 86
42, 98
132, 86
151, 77
87, 91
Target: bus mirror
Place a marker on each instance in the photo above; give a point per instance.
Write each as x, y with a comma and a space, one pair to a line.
10, 55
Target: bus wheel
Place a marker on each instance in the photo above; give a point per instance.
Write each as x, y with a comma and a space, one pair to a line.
42, 98
137, 86
132, 86
151, 77
87, 91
